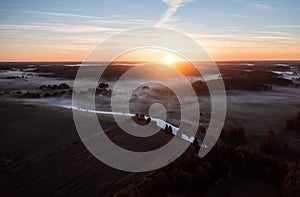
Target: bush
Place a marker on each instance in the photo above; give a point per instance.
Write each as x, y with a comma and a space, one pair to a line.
293, 122
233, 136
130, 191
269, 144
291, 185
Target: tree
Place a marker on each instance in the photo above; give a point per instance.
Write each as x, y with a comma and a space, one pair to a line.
233, 135
269, 144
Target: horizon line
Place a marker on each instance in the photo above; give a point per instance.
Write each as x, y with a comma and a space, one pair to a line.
127, 61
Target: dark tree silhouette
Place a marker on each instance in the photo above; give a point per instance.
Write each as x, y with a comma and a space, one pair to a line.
233, 135
269, 144
293, 122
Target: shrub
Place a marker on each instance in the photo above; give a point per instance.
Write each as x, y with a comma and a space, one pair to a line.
269, 144
233, 135
293, 122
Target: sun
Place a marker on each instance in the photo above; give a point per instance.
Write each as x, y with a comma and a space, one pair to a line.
169, 59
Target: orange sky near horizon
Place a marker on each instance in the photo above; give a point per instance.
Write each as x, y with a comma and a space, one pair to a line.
37, 53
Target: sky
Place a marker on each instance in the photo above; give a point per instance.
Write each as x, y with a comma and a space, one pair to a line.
67, 30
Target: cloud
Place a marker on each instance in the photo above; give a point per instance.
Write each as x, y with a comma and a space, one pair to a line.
63, 14
125, 22
262, 6
89, 19
103, 20
285, 26
65, 47
173, 6
55, 27
246, 39
53, 14
227, 15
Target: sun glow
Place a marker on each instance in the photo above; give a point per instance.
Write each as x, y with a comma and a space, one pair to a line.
159, 56
169, 59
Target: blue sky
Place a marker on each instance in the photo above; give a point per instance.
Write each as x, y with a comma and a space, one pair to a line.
228, 29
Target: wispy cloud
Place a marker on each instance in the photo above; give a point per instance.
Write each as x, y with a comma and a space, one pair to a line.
248, 39
173, 6
227, 15
125, 22
103, 20
262, 6
285, 26
88, 18
63, 14
242, 37
64, 47
56, 27
54, 14
88, 39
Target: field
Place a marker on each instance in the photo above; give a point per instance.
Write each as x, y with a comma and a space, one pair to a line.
41, 152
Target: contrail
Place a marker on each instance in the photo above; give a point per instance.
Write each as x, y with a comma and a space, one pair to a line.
174, 5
